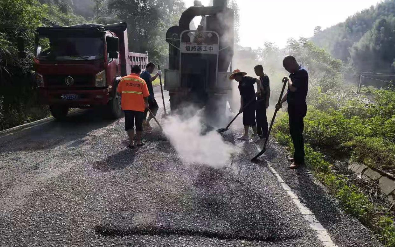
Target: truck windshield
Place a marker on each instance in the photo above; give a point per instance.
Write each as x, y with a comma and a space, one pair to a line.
71, 48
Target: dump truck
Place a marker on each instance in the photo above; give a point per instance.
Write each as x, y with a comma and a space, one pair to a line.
200, 61
80, 67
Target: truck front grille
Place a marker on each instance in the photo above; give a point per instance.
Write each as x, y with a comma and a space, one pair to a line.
60, 80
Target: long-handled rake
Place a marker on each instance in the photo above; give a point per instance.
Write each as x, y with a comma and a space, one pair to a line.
156, 120
161, 89
231, 122
285, 81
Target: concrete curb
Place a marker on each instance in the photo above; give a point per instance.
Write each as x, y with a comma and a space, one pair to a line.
33, 124
385, 181
25, 126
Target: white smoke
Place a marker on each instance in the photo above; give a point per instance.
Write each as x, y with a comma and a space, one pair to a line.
193, 147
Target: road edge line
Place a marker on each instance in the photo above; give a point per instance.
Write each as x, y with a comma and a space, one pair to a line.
309, 216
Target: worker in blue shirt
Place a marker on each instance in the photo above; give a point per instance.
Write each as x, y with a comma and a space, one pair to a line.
298, 87
153, 105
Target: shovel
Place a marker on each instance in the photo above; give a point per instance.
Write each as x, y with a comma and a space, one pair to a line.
285, 81
161, 89
227, 127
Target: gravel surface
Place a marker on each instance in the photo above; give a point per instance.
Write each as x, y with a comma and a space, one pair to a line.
76, 184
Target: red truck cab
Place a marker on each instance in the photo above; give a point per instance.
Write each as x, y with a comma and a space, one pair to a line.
80, 67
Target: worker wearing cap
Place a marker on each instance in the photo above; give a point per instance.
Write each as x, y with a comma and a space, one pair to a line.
248, 101
297, 108
263, 102
134, 93
153, 105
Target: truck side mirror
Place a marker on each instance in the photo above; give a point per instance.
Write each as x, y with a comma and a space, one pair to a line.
38, 50
112, 44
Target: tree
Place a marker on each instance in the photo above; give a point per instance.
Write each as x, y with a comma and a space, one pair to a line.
324, 70
351, 38
375, 52
148, 21
20, 18
317, 30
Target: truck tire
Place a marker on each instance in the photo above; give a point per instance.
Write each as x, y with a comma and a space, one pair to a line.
59, 112
114, 109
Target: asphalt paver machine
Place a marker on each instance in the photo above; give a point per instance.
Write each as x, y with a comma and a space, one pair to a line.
200, 60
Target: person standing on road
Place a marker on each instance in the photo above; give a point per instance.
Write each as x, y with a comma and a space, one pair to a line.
263, 102
248, 101
297, 108
134, 99
153, 105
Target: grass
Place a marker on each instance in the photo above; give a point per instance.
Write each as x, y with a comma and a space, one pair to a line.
351, 198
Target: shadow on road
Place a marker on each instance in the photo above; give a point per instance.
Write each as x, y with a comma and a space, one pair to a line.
53, 134
305, 185
118, 161
314, 196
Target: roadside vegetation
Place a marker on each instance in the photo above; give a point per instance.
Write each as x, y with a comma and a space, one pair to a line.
346, 126
352, 199
18, 20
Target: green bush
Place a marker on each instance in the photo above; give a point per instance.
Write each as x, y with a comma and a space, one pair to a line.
349, 124
384, 105
386, 229
355, 203
326, 129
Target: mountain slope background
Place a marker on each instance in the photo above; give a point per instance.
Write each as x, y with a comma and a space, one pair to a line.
365, 40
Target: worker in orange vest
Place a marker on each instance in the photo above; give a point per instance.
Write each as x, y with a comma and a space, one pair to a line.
134, 95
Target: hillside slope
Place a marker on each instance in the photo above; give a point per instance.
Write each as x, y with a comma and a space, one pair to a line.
366, 39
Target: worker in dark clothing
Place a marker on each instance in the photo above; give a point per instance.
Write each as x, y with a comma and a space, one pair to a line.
248, 101
297, 107
153, 105
262, 103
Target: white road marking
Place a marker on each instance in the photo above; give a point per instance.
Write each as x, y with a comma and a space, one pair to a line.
309, 216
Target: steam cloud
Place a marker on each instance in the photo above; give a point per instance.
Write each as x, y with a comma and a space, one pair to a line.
185, 134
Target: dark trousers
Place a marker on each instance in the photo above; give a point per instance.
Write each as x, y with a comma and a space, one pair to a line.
153, 106
249, 113
296, 127
261, 119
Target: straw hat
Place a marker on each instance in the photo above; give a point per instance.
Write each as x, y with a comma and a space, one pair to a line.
236, 72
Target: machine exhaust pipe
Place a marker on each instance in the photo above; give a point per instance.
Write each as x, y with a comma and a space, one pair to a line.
220, 3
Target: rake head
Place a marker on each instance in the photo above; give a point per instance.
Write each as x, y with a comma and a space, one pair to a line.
222, 130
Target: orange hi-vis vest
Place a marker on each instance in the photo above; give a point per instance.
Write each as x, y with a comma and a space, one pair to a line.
133, 90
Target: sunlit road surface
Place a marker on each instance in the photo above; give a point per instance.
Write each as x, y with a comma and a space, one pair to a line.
76, 184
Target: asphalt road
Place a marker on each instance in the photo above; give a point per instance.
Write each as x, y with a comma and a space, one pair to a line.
76, 184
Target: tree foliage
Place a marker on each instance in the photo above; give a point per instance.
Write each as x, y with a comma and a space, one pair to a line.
376, 50
324, 70
366, 39
19, 19
148, 21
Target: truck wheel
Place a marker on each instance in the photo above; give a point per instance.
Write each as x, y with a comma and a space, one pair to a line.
59, 112
114, 107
